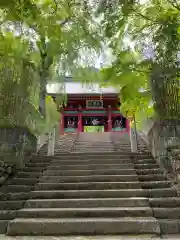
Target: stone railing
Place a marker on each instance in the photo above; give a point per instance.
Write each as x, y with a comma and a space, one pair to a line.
42, 140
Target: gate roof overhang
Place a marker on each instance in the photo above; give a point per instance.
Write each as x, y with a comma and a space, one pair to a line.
73, 88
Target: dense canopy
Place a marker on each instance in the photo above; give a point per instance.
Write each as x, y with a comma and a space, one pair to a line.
43, 40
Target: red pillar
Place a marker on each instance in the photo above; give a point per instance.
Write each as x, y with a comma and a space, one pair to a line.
80, 129
109, 120
128, 125
62, 124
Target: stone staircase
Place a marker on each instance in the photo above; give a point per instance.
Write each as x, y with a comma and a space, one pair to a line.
64, 144
93, 142
91, 192
121, 142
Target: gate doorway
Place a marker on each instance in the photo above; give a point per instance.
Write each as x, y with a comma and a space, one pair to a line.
94, 123
94, 129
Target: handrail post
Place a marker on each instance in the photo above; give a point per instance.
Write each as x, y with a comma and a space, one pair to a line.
51, 142
133, 137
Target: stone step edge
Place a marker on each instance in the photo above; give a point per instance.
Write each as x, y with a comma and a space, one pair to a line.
87, 183
86, 209
70, 226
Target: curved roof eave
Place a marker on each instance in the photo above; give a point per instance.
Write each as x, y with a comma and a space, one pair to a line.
79, 88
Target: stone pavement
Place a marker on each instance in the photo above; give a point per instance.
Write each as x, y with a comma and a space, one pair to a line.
140, 237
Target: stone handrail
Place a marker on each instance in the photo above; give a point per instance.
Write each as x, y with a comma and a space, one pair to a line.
42, 140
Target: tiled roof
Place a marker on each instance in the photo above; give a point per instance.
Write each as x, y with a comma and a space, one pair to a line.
78, 88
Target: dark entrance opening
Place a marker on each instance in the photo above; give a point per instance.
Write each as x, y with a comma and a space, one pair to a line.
118, 122
94, 123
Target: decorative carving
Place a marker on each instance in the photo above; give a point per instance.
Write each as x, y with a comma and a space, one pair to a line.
95, 122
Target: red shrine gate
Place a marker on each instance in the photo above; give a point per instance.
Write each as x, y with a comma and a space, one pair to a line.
92, 110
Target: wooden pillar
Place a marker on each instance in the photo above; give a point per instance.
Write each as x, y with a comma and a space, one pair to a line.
80, 129
128, 125
109, 119
62, 124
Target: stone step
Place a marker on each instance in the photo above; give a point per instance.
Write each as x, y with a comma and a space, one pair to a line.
98, 143
79, 143
88, 178
14, 196
167, 213
156, 184
169, 226
92, 145
104, 158
149, 171
11, 205
87, 185
90, 151
90, 166
83, 212
94, 150
146, 166
98, 155
165, 192
3, 226
145, 161
144, 154
37, 164
87, 202
151, 177
79, 226
26, 181
89, 172
34, 169
41, 159
16, 188
167, 202
7, 214
28, 174
92, 161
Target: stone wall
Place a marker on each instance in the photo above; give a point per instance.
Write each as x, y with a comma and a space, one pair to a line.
16, 145
160, 138
5, 171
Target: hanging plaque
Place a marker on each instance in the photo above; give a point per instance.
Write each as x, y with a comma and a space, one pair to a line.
94, 103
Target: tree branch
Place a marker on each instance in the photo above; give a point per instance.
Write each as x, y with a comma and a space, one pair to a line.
56, 6
64, 21
175, 5
142, 15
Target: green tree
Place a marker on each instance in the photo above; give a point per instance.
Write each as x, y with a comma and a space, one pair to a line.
46, 35
144, 38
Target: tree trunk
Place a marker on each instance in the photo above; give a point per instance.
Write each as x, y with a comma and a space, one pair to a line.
42, 97
46, 63
43, 83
